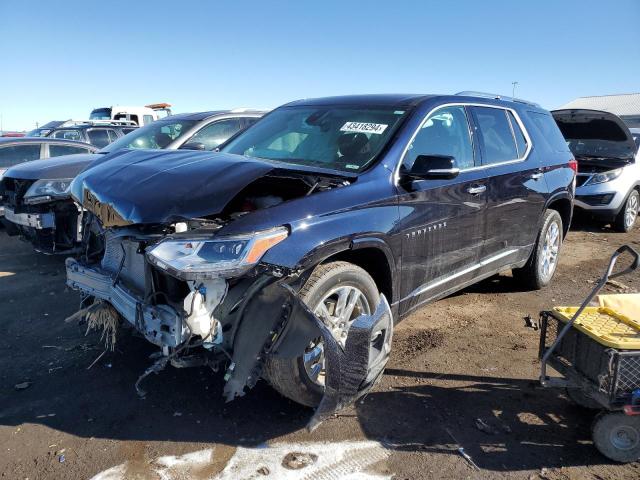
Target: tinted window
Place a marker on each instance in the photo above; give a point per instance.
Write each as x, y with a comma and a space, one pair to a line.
14, 154
157, 134
445, 132
216, 133
340, 138
98, 137
497, 139
549, 132
248, 121
521, 140
67, 135
58, 150
113, 135
100, 114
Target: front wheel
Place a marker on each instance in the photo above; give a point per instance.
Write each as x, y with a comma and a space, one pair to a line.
626, 219
617, 436
338, 293
539, 270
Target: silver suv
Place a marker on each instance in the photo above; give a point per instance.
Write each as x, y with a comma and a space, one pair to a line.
608, 155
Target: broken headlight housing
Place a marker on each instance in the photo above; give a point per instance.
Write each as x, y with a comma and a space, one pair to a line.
200, 258
47, 190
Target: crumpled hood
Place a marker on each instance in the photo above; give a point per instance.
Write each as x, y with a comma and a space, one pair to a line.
65, 166
161, 186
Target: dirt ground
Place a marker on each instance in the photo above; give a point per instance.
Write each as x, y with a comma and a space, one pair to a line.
463, 361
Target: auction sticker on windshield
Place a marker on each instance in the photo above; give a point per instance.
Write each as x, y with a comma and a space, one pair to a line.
361, 127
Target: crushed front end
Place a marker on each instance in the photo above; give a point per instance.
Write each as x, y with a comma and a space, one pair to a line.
42, 212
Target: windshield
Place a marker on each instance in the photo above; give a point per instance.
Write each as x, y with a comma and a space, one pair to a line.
100, 114
338, 138
156, 135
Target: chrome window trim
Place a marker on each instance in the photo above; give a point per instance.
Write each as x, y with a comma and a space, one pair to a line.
479, 167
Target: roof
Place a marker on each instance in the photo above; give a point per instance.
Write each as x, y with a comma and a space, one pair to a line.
203, 115
621, 105
382, 100
43, 140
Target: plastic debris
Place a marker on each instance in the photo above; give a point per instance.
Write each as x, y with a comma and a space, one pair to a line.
22, 386
298, 460
61, 458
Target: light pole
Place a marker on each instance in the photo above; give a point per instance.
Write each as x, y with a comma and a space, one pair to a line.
513, 90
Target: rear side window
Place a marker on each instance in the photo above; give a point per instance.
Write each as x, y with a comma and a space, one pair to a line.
15, 154
549, 132
67, 135
98, 137
497, 140
58, 150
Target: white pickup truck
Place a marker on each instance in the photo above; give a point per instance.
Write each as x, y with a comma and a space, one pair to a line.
140, 115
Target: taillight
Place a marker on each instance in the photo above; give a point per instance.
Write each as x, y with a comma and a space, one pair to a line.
573, 165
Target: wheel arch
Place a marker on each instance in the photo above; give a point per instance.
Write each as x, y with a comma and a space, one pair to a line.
564, 206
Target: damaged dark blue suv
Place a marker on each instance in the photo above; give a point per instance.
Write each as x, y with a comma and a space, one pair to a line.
290, 253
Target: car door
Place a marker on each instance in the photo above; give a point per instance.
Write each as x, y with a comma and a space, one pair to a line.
516, 184
441, 221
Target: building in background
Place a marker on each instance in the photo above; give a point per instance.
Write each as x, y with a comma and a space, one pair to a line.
626, 106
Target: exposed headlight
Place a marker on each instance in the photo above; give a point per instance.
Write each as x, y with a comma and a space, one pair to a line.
604, 177
200, 258
47, 190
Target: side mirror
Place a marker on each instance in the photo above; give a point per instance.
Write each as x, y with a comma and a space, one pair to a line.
193, 146
432, 167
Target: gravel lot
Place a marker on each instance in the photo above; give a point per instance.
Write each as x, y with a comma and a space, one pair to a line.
464, 358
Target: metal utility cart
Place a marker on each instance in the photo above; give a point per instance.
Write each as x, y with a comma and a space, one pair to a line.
597, 351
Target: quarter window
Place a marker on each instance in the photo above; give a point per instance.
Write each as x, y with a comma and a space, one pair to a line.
444, 132
216, 133
497, 140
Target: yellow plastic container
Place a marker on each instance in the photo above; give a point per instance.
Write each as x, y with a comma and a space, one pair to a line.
605, 326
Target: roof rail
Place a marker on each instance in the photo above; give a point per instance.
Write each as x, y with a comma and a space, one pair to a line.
495, 96
121, 123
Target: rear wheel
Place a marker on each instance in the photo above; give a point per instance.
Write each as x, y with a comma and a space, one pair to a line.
626, 219
337, 292
617, 436
539, 270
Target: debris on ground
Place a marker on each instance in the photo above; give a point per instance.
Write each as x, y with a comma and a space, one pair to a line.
298, 460
22, 385
485, 427
263, 471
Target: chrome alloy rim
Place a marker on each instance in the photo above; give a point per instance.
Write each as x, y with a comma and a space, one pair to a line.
631, 212
550, 249
337, 309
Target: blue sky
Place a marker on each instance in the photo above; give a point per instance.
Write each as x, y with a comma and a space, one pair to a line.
61, 59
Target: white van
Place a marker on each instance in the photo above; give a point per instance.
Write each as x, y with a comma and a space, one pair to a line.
140, 115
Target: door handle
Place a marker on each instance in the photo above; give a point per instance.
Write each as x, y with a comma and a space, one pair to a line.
477, 190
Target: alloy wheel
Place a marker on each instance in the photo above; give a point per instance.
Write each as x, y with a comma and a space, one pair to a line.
550, 249
338, 309
631, 211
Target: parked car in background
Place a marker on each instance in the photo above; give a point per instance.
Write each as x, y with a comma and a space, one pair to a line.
608, 181
327, 203
14, 151
139, 115
96, 132
37, 193
46, 129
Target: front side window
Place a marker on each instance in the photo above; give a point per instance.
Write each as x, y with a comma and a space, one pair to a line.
216, 133
98, 137
67, 135
58, 150
14, 154
497, 139
334, 137
158, 134
444, 132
